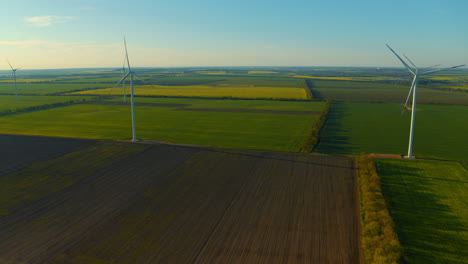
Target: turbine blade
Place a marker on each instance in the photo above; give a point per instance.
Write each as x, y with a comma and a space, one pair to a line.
138, 77
402, 61
438, 70
431, 66
411, 62
410, 92
9, 64
121, 80
126, 54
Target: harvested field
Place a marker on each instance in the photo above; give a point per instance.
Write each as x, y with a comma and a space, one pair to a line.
173, 204
277, 112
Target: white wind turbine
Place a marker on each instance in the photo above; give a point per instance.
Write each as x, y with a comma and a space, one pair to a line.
130, 74
413, 92
13, 74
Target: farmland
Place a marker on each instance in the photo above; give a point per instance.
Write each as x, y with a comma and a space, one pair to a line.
360, 91
244, 128
178, 198
429, 205
8, 103
46, 88
207, 91
172, 204
379, 128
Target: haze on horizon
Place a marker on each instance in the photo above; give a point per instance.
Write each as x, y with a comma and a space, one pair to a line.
88, 34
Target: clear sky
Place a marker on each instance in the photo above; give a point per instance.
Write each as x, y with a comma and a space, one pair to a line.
81, 34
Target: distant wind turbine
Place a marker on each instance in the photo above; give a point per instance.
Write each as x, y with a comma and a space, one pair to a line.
130, 74
13, 75
413, 92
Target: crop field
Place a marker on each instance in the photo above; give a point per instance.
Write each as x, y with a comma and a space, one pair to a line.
42, 178
206, 91
18, 151
232, 104
281, 130
9, 103
352, 91
28, 80
140, 203
355, 128
47, 88
262, 72
249, 81
428, 202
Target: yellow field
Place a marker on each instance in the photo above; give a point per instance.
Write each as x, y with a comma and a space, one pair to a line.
362, 79
449, 78
206, 91
28, 80
262, 72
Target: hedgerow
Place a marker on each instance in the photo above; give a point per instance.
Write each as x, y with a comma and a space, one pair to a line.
379, 239
312, 139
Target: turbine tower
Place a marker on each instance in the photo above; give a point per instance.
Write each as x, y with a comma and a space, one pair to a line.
13, 74
130, 74
413, 92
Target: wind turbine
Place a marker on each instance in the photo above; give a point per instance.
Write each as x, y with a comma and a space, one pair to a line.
413, 92
130, 74
13, 74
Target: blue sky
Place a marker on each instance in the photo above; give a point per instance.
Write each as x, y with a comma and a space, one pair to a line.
66, 34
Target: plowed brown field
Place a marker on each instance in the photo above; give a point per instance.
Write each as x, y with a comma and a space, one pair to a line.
176, 204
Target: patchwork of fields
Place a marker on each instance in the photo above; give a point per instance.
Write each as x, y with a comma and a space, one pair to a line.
141, 203
69, 200
428, 202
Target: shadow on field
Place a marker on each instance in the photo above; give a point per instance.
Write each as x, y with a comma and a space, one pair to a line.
332, 136
427, 228
312, 88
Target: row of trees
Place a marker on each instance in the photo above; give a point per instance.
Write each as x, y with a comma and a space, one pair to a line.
312, 139
379, 239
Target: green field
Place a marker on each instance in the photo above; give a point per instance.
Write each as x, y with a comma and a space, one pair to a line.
355, 128
355, 91
428, 202
281, 132
232, 104
9, 103
47, 88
